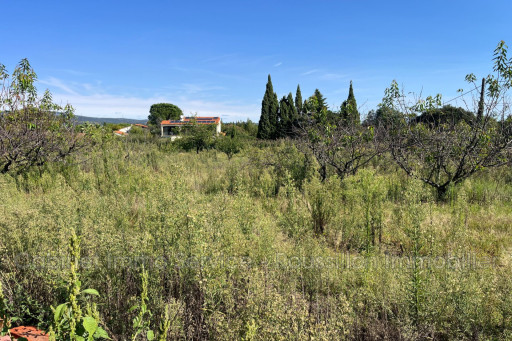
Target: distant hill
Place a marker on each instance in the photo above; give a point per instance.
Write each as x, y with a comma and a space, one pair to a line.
81, 119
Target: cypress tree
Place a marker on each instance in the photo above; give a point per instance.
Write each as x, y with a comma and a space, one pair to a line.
349, 112
298, 101
284, 117
274, 115
267, 126
287, 116
293, 113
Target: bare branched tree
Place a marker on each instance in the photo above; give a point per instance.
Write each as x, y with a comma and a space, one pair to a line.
444, 152
338, 146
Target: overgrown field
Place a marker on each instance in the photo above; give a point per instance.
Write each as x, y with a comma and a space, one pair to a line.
257, 248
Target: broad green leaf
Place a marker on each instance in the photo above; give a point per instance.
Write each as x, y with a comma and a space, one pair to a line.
58, 311
90, 292
101, 333
90, 325
150, 335
133, 308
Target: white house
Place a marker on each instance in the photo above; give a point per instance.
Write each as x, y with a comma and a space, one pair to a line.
167, 125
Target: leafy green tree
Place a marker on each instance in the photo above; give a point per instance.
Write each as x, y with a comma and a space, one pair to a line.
163, 111
349, 111
384, 117
197, 137
267, 127
315, 106
33, 131
229, 145
321, 102
446, 115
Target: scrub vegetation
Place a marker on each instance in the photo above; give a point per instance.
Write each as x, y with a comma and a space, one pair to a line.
323, 230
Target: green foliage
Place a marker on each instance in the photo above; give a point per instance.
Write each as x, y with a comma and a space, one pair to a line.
70, 322
287, 116
5, 319
413, 230
33, 131
384, 117
320, 206
317, 103
141, 322
257, 248
229, 145
349, 113
163, 111
267, 126
243, 261
446, 115
196, 137
298, 102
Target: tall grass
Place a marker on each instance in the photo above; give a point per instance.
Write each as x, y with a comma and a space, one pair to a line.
256, 248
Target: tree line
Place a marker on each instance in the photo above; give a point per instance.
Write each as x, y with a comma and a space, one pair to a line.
280, 119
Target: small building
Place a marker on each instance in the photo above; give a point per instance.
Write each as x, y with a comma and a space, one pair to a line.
123, 132
170, 127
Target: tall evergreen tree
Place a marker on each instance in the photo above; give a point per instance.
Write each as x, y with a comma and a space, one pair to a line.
287, 116
284, 117
274, 115
321, 100
298, 101
294, 114
348, 111
267, 126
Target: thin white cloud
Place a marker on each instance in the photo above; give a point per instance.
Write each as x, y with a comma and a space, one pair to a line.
222, 58
309, 72
333, 76
190, 88
57, 83
278, 64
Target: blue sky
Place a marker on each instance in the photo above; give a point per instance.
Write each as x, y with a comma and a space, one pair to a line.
116, 58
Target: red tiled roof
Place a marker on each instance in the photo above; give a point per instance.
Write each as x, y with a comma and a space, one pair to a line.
187, 120
141, 125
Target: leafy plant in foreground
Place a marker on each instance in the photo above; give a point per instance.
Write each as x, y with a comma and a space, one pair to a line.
141, 321
70, 321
